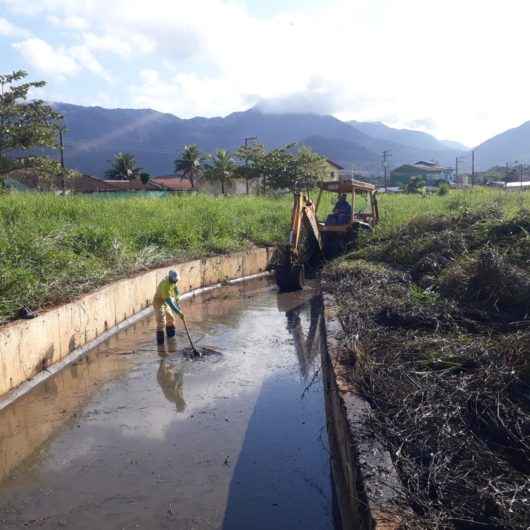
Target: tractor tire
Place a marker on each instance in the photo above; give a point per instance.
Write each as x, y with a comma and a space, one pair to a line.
290, 278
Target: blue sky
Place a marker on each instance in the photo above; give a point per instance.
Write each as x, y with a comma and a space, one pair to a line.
455, 68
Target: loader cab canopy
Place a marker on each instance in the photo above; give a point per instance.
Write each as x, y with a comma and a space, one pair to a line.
351, 188
346, 186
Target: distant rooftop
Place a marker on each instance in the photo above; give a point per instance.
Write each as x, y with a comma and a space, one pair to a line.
334, 163
423, 163
90, 184
426, 167
131, 185
511, 185
173, 183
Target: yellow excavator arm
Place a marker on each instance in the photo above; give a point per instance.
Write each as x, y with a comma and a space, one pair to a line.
304, 226
303, 210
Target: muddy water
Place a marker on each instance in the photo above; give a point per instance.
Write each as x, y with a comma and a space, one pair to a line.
134, 436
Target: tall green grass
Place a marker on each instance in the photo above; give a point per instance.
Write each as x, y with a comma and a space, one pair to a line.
398, 209
55, 248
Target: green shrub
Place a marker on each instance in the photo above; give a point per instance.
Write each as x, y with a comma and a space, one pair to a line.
443, 188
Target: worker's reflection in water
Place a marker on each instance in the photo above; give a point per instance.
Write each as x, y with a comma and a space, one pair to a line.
171, 381
170, 376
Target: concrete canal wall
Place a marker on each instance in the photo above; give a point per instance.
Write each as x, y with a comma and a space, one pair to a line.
28, 347
50, 407
366, 482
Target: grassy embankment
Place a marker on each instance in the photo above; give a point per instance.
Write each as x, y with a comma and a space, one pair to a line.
436, 307
52, 249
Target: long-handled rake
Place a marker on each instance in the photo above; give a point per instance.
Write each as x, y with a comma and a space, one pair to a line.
195, 350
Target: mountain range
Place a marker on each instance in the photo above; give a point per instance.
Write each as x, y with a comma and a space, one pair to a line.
509, 147
408, 137
95, 135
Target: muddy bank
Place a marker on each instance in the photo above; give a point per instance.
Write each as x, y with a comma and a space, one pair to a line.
364, 476
141, 437
435, 330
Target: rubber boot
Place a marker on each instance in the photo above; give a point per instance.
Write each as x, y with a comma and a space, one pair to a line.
160, 339
170, 330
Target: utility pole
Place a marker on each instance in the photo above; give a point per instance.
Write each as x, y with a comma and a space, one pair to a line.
61, 143
522, 171
61, 129
386, 157
253, 139
458, 159
473, 167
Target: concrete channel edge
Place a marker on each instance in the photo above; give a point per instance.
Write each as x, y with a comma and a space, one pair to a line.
365, 479
33, 350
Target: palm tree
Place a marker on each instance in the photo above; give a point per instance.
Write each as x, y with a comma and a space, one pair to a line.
189, 163
221, 169
123, 167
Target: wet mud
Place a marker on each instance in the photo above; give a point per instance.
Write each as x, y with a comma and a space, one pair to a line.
140, 436
197, 353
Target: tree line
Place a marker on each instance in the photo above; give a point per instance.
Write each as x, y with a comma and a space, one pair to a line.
29, 124
282, 168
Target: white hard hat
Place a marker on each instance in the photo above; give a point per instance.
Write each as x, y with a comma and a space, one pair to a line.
173, 276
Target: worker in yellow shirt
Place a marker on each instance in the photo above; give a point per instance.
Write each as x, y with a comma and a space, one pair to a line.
166, 305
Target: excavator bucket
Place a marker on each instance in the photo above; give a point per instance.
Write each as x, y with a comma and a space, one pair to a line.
290, 277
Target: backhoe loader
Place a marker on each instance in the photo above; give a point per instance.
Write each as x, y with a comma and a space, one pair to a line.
312, 239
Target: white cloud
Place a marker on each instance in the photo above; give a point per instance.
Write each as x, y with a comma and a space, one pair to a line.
8, 29
186, 95
46, 59
86, 59
108, 43
422, 124
72, 22
319, 96
359, 59
61, 62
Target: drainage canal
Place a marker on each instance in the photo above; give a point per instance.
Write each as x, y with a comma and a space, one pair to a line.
136, 437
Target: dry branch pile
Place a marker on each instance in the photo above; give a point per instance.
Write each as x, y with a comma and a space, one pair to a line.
440, 312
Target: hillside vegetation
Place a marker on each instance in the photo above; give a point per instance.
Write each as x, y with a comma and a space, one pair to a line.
438, 302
